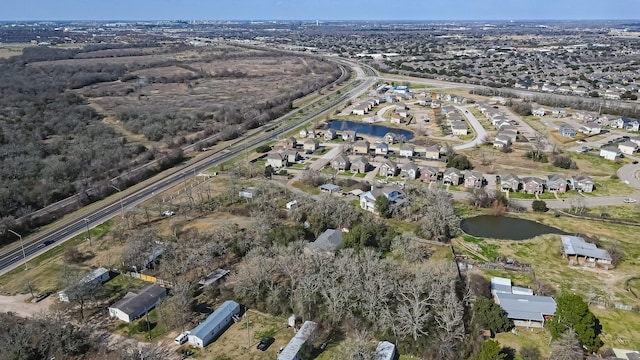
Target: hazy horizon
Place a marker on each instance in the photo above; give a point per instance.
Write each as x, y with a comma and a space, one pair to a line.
328, 10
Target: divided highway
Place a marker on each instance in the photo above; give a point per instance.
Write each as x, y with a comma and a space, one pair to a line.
12, 257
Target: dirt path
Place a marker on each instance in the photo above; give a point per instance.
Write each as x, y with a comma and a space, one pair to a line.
18, 305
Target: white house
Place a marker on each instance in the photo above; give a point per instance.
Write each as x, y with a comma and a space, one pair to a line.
628, 147
382, 148
94, 279
134, 305
459, 128
610, 153
406, 150
539, 112
307, 333
214, 325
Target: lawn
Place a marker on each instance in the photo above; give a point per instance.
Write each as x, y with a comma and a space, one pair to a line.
544, 254
306, 188
536, 338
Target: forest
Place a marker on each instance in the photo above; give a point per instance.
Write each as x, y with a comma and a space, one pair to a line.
55, 144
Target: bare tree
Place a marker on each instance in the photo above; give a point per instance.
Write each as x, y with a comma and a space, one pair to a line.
567, 347
440, 221
539, 143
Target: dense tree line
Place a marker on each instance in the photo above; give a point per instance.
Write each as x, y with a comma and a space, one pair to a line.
53, 145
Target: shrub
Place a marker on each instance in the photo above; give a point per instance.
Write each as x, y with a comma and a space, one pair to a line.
263, 149
539, 206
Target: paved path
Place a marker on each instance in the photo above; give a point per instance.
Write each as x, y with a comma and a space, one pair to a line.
481, 133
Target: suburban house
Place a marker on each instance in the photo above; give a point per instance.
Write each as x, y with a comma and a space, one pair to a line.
397, 119
330, 188
390, 138
276, 160
610, 152
452, 176
328, 242
635, 139
582, 183
406, 150
513, 135
473, 179
249, 192
590, 128
432, 152
628, 147
393, 193
556, 183
459, 128
310, 145
94, 279
510, 182
306, 333
388, 168
533, 185
382, 148
577, 250
559, 113
307, 133
349, 135
291, 155
214, 325
429, 174
386, 351
361, 147
134, 305
567, 130
539, 112
290, 142
409, 170
329, 134
360, 165
360, 109
341, 163
502, 141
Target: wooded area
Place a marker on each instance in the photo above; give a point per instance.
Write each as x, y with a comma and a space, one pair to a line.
54, 144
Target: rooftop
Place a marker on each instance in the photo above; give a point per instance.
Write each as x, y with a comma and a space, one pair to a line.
305, 333
227, 309
575, 245
526, 307
132, 303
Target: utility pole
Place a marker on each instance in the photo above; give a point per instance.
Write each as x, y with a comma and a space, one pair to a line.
24, 255
246, 314
86, 222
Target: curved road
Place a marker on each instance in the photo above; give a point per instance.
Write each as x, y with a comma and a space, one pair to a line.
481, 133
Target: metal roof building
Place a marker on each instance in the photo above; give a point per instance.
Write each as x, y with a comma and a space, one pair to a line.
306, 333
576, 246
385, 351
133, 305
526, 310
214, 325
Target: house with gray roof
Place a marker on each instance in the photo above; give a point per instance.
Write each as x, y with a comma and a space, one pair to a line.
214, 325
385, 351
134, 305
328, 242
409, 170
582, 183
510, 182
305, 334
526, 310
388, 168
576, 248
341, 163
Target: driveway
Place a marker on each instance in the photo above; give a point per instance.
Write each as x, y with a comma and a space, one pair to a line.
481, 133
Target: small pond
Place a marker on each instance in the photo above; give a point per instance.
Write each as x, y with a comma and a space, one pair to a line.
368, 129
505, 228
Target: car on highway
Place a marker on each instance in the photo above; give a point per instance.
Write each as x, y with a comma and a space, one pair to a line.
630, 201
264, 344
48, 242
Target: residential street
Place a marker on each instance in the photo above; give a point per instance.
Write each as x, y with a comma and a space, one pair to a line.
481, 133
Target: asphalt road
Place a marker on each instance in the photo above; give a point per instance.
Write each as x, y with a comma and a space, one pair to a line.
481, 133
12, 256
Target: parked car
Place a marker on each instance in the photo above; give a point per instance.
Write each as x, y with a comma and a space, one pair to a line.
182, 338
168, 213
264, 344
580, 142
630, 201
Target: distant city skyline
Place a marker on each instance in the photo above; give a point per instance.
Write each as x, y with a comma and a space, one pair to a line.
327, 10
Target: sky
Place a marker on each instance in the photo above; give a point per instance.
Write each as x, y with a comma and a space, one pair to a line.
12, 10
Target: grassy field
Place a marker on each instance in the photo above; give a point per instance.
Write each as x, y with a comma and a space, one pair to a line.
604, 286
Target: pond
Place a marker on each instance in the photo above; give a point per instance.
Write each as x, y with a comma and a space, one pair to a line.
368, 129
505, 228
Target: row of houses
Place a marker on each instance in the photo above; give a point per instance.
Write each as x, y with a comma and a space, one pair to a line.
507, 131
553, 182
455, 120
611, 152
